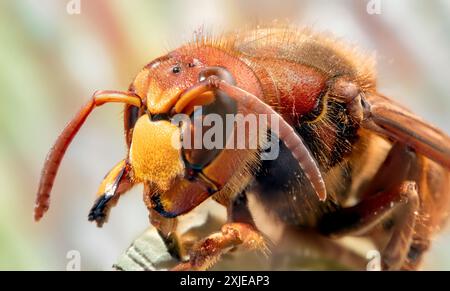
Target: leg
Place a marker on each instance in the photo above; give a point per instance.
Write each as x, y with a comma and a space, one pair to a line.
239, 231
56, 154
116, 182
396, 251
208, 251
390, 193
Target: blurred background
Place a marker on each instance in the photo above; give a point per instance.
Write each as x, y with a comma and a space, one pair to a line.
52, 61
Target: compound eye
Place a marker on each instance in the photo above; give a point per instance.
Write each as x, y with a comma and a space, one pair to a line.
197, 155
200, 151
203, 147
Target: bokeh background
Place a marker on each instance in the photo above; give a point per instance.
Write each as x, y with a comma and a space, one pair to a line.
51, 62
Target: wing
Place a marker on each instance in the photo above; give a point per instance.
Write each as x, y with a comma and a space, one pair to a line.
395, 122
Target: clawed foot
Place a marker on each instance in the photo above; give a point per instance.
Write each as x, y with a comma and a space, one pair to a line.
208, 251
99, 212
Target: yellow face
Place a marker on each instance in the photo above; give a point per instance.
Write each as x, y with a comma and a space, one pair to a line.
154, 153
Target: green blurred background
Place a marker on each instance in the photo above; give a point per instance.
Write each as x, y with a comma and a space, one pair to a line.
51, 62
